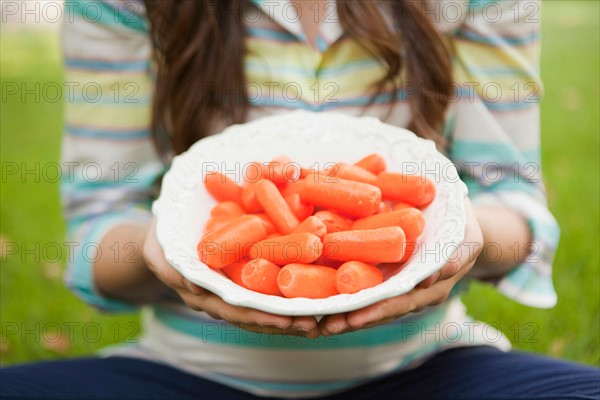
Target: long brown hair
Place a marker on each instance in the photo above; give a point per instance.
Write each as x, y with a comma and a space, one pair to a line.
199, 50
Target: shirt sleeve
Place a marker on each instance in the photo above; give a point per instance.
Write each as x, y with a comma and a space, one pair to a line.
110, 166
495, 131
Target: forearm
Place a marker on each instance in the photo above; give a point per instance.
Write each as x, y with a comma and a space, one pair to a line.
121, 273
507, 240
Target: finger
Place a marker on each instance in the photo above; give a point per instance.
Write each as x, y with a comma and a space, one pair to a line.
193, 288
380, 322
213, 304
271, 330
171, 277
394, 307
466, 254
334, 325
429, 281
155, 259
452, 267
305, 323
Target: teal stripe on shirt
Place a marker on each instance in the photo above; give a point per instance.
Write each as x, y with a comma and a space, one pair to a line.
498, 40
474, 151
103, 65
98, 133
95, 11
219, 332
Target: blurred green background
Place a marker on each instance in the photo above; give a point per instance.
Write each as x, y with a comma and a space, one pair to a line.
41, 319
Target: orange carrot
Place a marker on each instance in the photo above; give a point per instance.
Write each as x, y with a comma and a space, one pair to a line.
334, 222
383, 208
228, 244
271, 229
296, 247
411, 247
412, 189
352, 173
261, 276
301, 209
353, 198
307, 280
215, 223
227, 208
304, 172
400, 205
390, 269
249, 197
276, 207
355, 275
222, 187
313, 225
253, 172
411, 221
234, 271
281, 170
371, 246
373, 163
291, 188
328, 262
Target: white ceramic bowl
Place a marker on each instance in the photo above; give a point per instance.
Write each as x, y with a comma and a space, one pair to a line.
307, 138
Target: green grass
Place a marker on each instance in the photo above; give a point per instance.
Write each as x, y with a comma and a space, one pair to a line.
34, 302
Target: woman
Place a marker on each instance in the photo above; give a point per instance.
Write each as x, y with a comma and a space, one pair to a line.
458, 74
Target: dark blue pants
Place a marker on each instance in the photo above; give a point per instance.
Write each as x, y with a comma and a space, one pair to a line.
465, 373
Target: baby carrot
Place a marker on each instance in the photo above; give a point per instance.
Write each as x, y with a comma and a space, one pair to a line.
326, 262
268, 223
353, 198
228, 244
334, 222
281, 170
371, 246
309, 172
260, 275
253, 172
291, 188
307, 280
222, 187
301, 209
383, 208
276, 207
234, 271
352, 173
313, 225
412, 189
411, 221
304, 172
400, 205
411, 246
296, 247
249, 197
227, 208
218, 222
373, 163
355, 275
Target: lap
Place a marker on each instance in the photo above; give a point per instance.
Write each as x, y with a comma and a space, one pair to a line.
108, 378
485, 372
464, 373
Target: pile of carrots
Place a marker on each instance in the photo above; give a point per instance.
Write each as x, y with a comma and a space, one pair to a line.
299, 232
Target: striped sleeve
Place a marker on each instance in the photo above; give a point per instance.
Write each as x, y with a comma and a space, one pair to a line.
495, 139
110, 165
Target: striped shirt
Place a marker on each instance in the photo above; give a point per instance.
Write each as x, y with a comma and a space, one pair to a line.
492, 126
